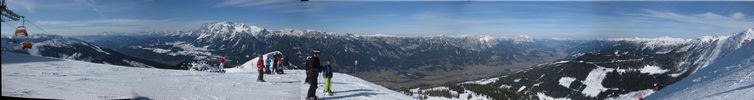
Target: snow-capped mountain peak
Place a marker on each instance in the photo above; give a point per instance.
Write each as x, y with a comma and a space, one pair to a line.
743, 37
227, 30
486, 38
231, 27
523, 38
480, 38
749, 34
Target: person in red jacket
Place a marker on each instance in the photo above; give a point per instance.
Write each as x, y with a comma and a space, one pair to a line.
260, 68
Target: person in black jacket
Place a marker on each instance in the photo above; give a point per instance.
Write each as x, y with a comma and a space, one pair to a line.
312, 72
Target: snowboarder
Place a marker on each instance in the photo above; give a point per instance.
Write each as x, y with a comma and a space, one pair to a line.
327, 75
260, 68
313, 68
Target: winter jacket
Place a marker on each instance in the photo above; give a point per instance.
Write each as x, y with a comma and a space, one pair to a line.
313, 67
327, 72
222, 59
280, 62
268, 61
260, 64
285, 62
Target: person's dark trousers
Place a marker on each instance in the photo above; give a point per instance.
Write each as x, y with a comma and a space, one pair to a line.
261, 72
312, 86
275, 67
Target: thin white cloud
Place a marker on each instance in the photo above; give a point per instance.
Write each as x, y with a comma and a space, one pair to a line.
431, 18
738, 15
91, 4
95, 26
114, 22
736, 20
25, 5
250, 3
289, 6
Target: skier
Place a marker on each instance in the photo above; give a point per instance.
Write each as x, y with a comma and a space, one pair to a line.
260, 68
280, 63
275, 64
327, 75
222, 64
268, 63
313, 68
286, 63
640, 96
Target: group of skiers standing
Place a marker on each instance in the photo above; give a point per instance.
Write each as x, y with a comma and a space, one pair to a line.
313, 68
274, 61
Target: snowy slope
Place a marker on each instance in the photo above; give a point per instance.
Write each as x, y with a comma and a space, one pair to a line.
50, 45
40, 77
730, 77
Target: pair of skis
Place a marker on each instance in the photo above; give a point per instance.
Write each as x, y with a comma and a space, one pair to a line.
326, 94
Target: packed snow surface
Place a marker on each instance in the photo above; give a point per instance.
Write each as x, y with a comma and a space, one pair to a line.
653, 70
483, 81
543, 96
633, 95
593, 82
40, 77
729, 78
566, 81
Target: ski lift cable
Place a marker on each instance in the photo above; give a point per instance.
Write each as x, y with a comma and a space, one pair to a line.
40, 28
9, 25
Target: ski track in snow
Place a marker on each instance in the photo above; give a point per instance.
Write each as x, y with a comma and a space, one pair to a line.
40, 77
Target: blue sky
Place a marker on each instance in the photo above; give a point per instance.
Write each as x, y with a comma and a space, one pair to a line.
403, 18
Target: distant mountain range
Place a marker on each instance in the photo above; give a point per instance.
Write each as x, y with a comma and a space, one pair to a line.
70, 48
611, 69
392, 61
431, 67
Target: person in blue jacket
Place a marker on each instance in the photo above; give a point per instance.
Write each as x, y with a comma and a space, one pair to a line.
327, 74
268, 63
